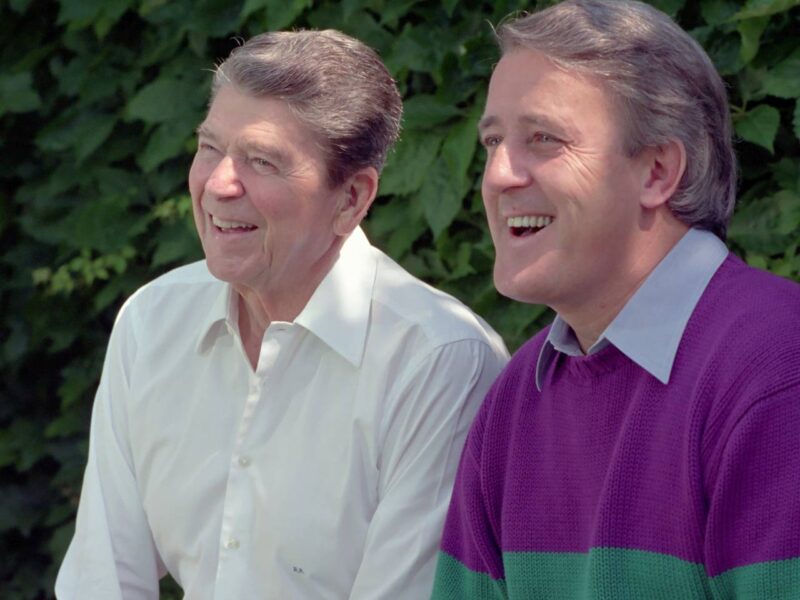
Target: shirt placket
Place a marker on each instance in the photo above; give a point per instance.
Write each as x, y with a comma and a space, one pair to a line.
236, 542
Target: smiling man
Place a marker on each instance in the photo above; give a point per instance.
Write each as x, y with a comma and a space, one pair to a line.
284, 419
646, 444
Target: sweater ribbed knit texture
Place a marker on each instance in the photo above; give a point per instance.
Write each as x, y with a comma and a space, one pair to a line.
610, 484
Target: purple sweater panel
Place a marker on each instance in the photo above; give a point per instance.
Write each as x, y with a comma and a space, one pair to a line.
705, 469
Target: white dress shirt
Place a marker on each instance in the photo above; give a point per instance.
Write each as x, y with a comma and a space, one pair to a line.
326, 473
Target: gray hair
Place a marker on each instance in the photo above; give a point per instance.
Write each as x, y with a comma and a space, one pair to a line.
337, 86
663, 82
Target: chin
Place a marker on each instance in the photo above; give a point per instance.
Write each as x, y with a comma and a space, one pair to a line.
513, 290
221, 271
510, 280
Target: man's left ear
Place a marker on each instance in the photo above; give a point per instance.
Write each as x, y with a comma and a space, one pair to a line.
664, 168
356, 196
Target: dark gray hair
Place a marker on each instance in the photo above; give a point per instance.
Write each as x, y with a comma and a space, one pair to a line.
662, 81
337, 86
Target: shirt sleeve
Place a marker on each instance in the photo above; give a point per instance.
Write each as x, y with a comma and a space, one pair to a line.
753, 526
112, 555
470, 563
425, 429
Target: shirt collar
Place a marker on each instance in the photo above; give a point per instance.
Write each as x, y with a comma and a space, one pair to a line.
222, 314
337, 312
649, 328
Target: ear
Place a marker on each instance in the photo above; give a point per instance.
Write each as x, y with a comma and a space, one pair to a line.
355, 198
663, 169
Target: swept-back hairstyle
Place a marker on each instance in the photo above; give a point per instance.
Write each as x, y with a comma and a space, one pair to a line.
662, 82
337, 86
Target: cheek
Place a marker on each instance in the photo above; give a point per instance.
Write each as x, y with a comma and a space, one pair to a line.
197, 179
580, 176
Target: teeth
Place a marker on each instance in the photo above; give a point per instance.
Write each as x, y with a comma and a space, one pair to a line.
529, 221
230, 224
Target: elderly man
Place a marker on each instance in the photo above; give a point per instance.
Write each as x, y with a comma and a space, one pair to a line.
646, 444
283, 420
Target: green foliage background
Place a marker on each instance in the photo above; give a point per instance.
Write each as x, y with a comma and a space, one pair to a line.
98, 102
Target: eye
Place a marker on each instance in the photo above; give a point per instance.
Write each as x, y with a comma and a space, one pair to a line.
261, 164
489, 141
203, 146
541, 137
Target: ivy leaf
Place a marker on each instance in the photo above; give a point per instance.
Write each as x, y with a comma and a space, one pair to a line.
79, 12
395, 10
19, 6
788, 211
166, 141
176, 243
717, 12
412, 50
759, 125
397, 224
516, 318
459, 146
408, 164
105, 225
5, 213
83, 134
671, 7
160, 101
18, 511
251, 6
786, 173
423, 111
280, 14
102, 13
17, 94
783, 80
755, 226
796, 119
750, 30
350, 7
725, 52
441, 196
450, 6
764, 8
213, 17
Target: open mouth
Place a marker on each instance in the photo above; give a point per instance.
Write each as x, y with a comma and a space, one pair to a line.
231, 226
528, 225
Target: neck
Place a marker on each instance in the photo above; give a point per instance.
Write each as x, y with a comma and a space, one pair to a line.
279, 301
589, 317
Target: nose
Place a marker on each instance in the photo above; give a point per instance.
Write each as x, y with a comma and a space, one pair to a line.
224, 182
505, 170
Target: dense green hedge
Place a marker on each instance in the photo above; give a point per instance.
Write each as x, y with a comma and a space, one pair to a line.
98, 101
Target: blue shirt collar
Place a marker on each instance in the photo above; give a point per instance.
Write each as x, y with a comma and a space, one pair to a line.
650, 326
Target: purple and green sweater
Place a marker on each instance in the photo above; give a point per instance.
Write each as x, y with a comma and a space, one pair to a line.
610, 484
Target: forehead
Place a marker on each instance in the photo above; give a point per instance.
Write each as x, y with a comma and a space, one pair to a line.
527, 86
237, 117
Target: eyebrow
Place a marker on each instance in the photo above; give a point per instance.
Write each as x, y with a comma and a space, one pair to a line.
273, 153
528, 119
205, 131
486, 122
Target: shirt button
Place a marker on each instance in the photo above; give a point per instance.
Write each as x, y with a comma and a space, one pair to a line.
232, 544
244, 461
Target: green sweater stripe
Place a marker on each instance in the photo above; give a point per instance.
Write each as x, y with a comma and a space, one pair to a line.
604, 573
454, 581
613, 573
776, 580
